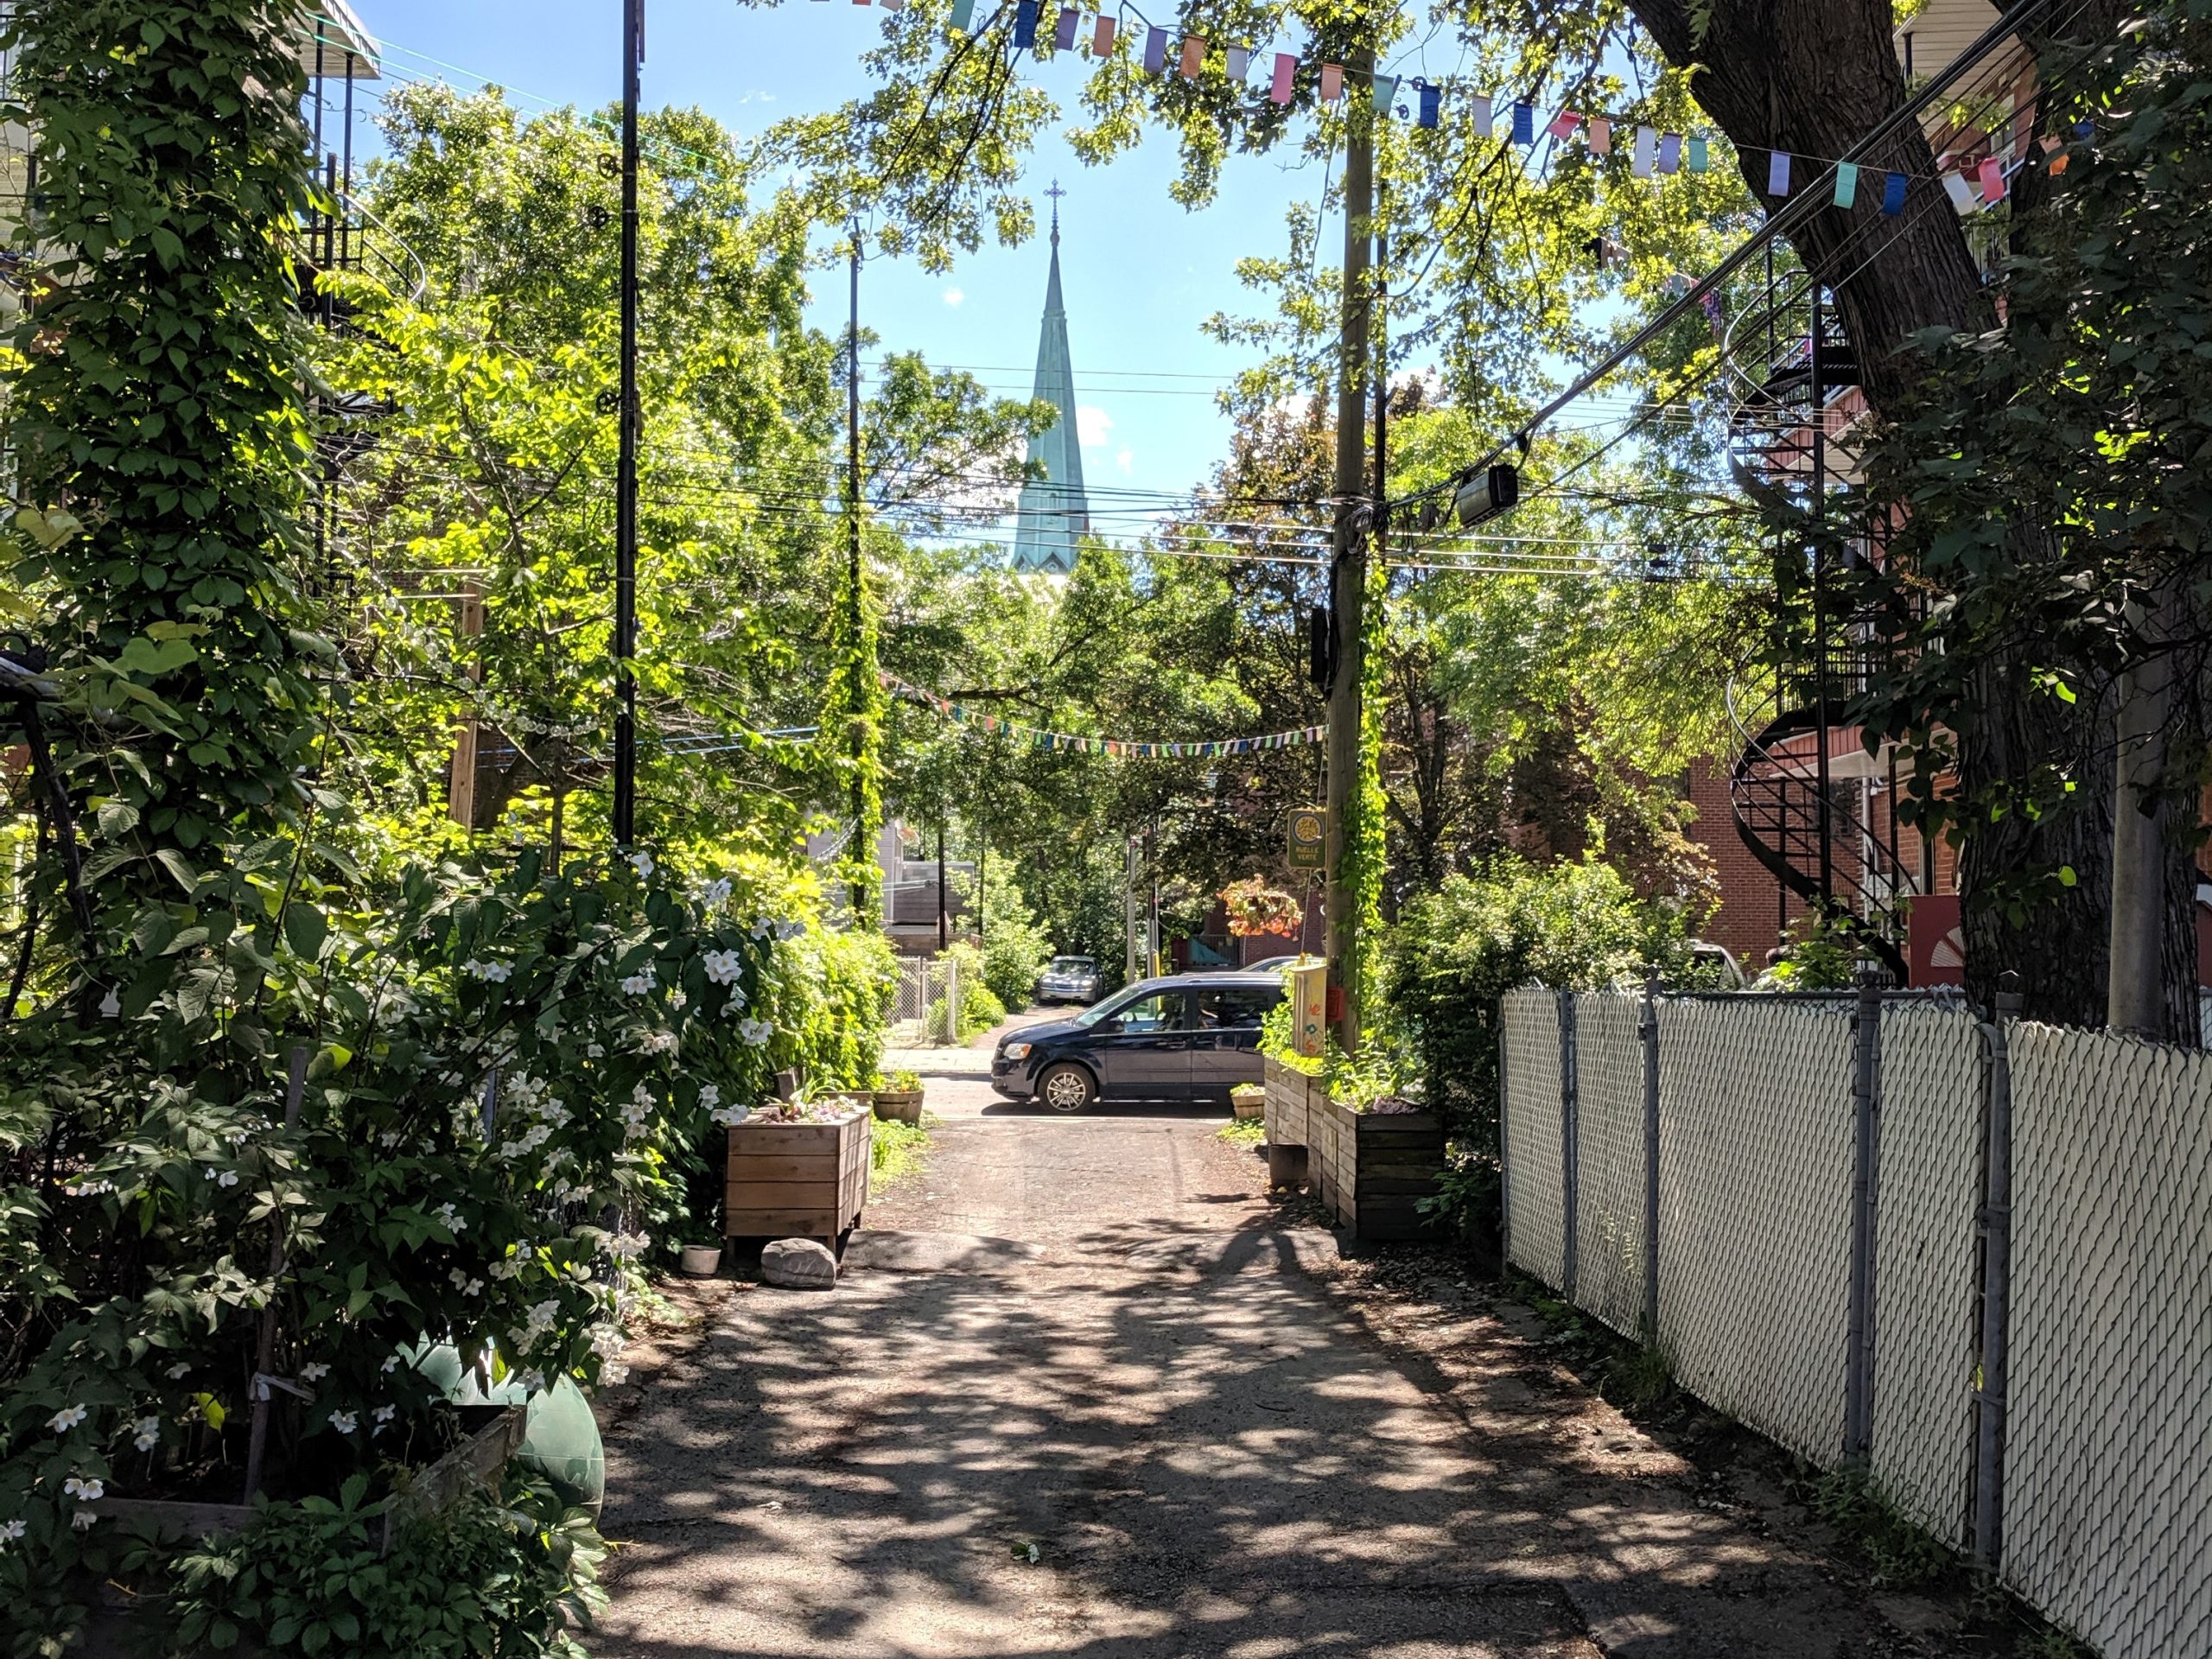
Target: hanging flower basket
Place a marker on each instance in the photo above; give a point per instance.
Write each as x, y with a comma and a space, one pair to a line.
1255, 907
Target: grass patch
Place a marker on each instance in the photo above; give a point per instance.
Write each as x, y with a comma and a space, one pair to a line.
1243, 1132
898, 1151
1901, 1553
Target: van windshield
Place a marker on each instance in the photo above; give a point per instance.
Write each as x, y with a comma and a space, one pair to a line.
1071, 965
1106, 1010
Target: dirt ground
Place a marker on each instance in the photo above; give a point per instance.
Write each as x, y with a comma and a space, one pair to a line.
1099, 1342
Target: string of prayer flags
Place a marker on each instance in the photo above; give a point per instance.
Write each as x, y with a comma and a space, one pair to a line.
1386, 88
1155, 50
1240, 60
1432, 103
1847, 184
1646, 152
964, 13
1993, 181
1278, 89
1524, 123
1025, 26
1102, 37
1601, 136
1699, 158
1777, 173
1670, 152
1484, 113
1955, 186
1064, 36
1194, 55
1333, 82
1563, 124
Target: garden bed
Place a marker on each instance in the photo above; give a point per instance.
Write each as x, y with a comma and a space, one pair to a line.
804, 1178
1370, 1169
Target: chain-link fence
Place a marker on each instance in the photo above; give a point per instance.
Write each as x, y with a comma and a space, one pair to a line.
1975, 1259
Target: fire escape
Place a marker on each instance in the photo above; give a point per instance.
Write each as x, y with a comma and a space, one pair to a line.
1813, 804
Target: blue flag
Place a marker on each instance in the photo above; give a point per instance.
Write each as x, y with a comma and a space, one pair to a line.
1432, 102
1524, 123
1893, 194
1155, 51
1025, 25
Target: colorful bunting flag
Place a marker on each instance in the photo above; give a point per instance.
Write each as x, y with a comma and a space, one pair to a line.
1064, 36
1846, 183
1670, 152
1194, 55
1285, 72
1647, 150
1601, 136
1777, 173
1333, 82
2056, 154
1384, 87
1563, 124
1893, 194
895, 5
1524, 123
1155, 50
1432, 103
1699, 159
1102, 37
1240, 60
1955, 186
1993, 181
964, 13
1484, 113
1025, 26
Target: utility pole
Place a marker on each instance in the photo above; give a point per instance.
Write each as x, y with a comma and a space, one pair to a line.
1348, 568
625, 473
1152, 908
1129, 910
855, 598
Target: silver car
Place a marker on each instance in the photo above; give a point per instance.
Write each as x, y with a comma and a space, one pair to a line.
1069, 979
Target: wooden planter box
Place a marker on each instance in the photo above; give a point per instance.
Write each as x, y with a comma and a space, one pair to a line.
1370, 1169
798, 1180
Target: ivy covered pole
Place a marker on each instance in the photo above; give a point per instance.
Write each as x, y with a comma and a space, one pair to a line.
625, 475
1348, 569
853, 718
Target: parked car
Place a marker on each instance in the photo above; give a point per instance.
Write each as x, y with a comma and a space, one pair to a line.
1272, 965
1069, 979
1186, 1037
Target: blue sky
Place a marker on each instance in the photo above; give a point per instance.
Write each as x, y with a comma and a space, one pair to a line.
1141, 274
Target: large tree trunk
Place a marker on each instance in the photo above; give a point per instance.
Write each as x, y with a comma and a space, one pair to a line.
1812, 80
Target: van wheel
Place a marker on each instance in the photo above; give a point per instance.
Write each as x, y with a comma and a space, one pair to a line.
1066, 1088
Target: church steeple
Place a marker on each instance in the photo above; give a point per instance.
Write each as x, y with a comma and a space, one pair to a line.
1053, 511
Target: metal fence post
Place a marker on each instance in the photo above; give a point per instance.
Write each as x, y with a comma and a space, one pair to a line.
1859, 1341
1996, 1290
1650, 1032
1570, 1151
1504, 1150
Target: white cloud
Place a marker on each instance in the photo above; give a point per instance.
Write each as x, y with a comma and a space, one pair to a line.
1125, 459
1092, 426
953, 296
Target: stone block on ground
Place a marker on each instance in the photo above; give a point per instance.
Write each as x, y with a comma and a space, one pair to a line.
798, 1264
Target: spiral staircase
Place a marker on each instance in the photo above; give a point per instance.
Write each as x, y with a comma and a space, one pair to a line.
1789, 366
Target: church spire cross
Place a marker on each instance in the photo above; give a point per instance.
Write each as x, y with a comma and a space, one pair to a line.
1054, 191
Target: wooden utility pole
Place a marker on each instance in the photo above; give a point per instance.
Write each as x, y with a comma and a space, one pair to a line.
1348, 568
461, 789
625, 824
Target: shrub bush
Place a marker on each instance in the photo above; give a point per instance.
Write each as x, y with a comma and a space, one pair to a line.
1455, 951
1015, 948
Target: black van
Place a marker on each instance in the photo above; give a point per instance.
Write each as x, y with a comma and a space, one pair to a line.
1187, 1036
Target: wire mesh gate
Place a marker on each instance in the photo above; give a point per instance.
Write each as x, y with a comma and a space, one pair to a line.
1977, 1259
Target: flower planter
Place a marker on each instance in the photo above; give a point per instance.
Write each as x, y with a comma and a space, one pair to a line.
1369, 1169
702, 1261
899, 1105
1249, 1103
798, 1180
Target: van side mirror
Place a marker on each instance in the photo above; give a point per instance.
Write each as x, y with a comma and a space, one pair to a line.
1108, 1027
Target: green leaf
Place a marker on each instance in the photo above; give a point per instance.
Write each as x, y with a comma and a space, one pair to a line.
306, 929
174, 863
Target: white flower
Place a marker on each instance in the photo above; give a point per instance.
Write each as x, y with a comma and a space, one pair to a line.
458, 1277
390, 1364
642, 863
12, 1530
736, 1000
710, 1095
474, 1287
89, 1189
83, 1519
613, 1372
451, 1216
529, 1382
498, 972
146, 1434
637, 984
723, 967
715, 894
228, 1177
730, 1116
607, 1340
182, 1368
790, 929
658, 1042
389, 1139
595, 1051
623, 1246
763, 928
677, 999
67, 1419
345, 1421
543, 1314
755, 1032
386, 1413
89, 1491
314, 1371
